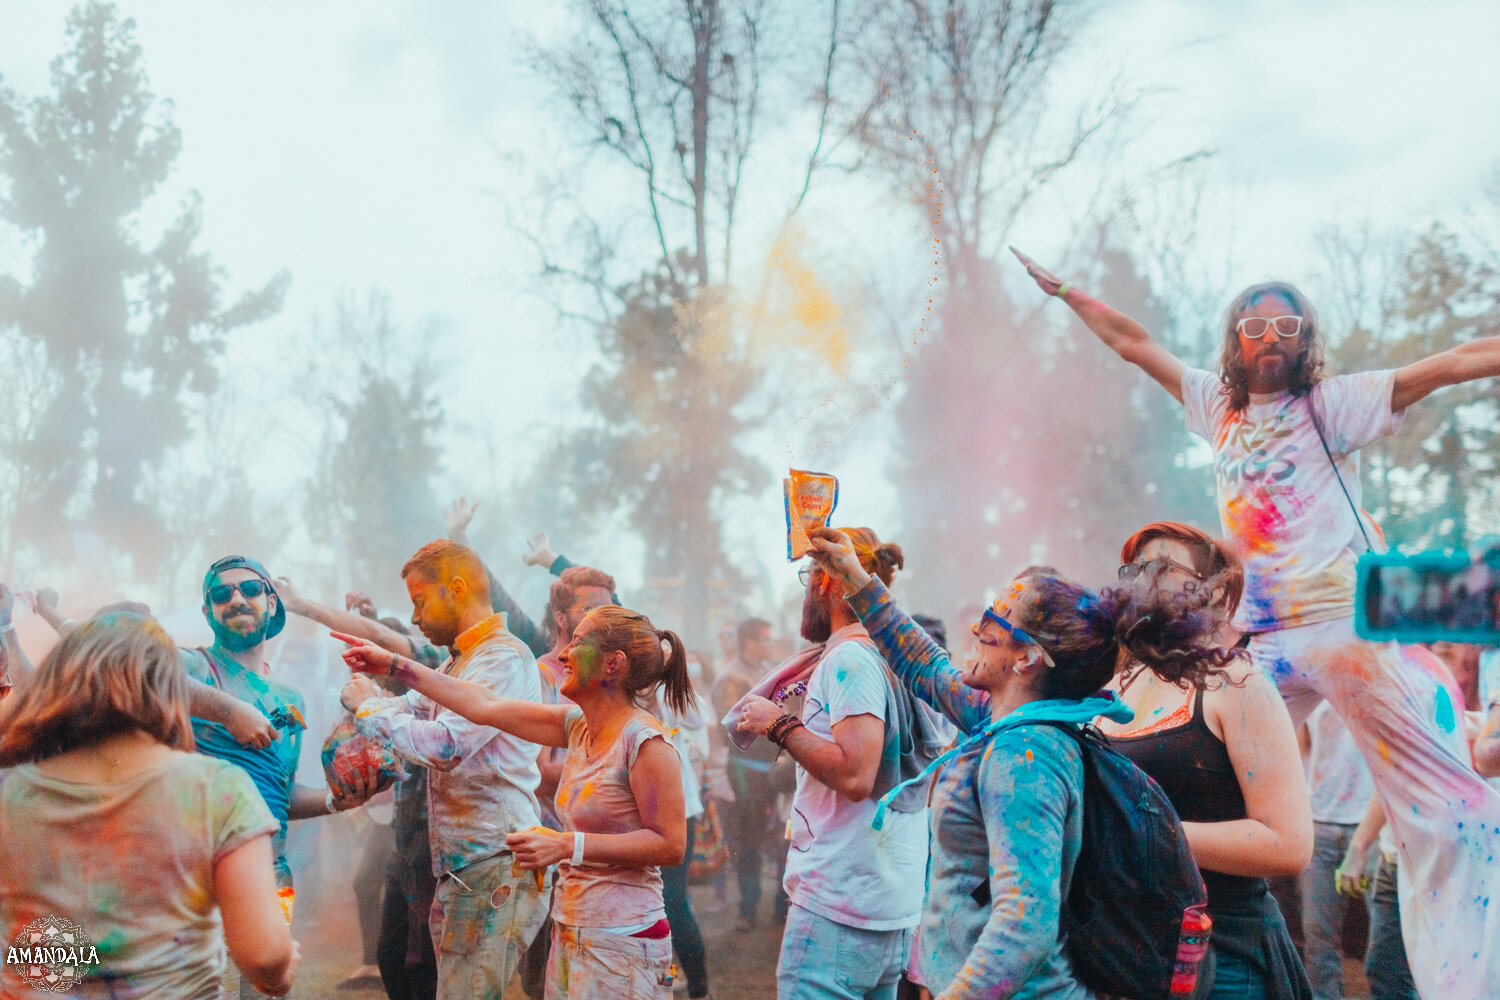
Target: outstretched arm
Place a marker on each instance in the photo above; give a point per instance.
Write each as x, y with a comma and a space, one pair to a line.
456, 518
531, 721
1120, 333
348, 622
1464, 363
921, 664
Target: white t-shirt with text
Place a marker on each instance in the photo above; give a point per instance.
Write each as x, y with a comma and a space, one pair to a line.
1280, 503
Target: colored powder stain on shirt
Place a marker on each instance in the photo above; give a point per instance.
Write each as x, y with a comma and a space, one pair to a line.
1444, 710
1384, 750
1029, 757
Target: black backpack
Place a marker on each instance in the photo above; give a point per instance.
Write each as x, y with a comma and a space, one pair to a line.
1136, 913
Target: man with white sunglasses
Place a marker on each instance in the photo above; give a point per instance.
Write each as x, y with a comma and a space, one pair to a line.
1286, 440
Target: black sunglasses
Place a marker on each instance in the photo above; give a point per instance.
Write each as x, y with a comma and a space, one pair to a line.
249, 590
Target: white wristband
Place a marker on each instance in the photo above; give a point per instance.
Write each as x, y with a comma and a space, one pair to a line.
328, 801
577, 850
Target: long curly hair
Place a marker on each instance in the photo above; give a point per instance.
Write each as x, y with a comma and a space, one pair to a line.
1219, 569
1307, 368
1090, 635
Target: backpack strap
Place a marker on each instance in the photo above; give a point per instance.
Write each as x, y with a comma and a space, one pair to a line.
1359, 521
973, 739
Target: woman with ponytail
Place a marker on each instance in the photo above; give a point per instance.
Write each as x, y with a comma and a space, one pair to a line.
1006, 820
1213, 732
620, 797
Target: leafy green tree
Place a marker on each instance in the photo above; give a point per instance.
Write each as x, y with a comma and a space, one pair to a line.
130, 328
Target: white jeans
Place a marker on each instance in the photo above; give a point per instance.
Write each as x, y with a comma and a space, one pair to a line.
1446, 820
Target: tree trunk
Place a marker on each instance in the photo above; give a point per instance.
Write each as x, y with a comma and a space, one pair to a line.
704, 38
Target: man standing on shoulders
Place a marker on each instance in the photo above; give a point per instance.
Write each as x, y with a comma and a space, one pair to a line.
481, 783
853, 889
1286, 439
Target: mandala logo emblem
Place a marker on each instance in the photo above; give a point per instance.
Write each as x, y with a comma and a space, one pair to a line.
51, 955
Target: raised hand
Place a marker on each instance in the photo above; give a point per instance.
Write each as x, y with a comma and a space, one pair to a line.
358, 601
539, 551
832, 550
1045, 279
290, 596
456, 518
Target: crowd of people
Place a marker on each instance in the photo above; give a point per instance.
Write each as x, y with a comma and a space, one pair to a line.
943, 823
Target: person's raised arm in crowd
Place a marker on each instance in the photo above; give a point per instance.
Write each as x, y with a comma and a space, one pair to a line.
14, 666
349, 622
456, 520
1119, 332
44, 603
539, 552
920, 663
529, 720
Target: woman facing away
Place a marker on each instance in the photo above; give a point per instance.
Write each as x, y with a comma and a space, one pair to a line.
1217, 737
1007, 812
620, 796
109, 821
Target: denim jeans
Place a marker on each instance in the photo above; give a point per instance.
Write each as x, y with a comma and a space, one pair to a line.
825, 960
1323, 911
1236, 979
687, 937
1385, 963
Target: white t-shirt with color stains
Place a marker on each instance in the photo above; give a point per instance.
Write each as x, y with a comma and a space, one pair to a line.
837, 866
1280, 503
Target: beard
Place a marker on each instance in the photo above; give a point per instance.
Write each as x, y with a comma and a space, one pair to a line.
239, 639
817, 621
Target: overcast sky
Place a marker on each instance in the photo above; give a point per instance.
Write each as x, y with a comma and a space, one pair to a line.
354, 144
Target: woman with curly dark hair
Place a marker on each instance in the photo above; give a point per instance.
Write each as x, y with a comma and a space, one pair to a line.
1006, 816
1216, 736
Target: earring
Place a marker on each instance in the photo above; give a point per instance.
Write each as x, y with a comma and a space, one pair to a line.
1017, 668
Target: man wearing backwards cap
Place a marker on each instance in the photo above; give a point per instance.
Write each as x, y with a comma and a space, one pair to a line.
243, 610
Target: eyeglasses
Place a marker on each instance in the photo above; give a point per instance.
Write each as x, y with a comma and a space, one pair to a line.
805, 574
1256, 327
1019, 634
249, 590
1131, 570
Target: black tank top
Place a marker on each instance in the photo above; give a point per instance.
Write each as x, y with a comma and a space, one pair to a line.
1192, 766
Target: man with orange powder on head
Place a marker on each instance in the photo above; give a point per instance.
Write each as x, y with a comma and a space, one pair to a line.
482, 783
